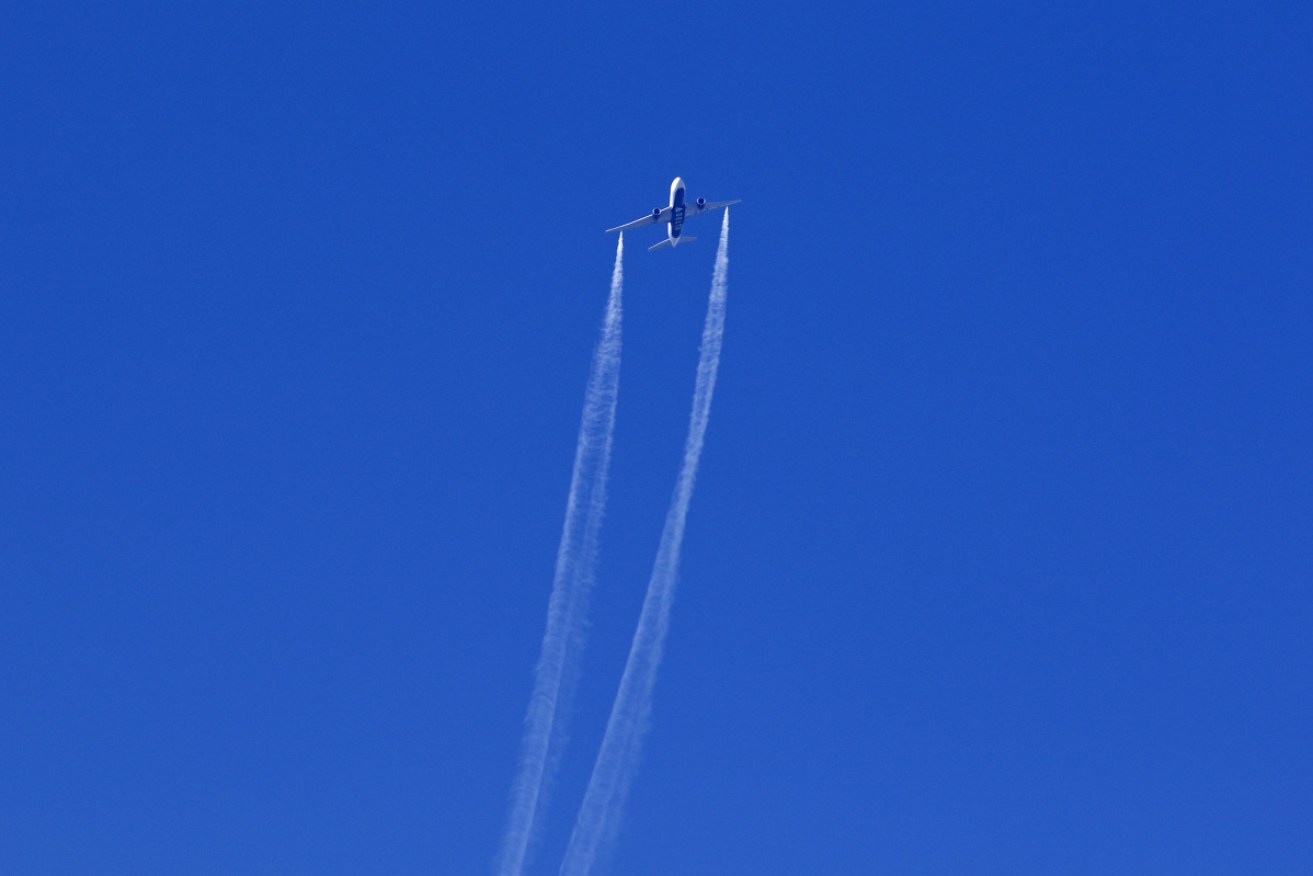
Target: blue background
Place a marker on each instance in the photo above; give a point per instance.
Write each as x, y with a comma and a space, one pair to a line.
1000, 555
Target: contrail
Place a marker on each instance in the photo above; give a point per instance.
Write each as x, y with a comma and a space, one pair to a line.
557, 669
617, 760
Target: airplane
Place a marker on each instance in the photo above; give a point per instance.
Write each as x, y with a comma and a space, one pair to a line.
674, 216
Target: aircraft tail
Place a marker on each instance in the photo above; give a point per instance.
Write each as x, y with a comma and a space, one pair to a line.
668, 242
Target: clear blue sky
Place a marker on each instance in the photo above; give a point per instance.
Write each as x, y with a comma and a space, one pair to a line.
1001, 552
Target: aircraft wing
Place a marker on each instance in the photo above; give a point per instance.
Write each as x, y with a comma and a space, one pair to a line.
713, 205
649, 219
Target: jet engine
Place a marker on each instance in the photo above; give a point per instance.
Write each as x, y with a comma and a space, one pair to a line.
702, 203
656, 212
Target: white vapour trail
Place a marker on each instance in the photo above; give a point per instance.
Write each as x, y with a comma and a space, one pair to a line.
599, 816
555, 674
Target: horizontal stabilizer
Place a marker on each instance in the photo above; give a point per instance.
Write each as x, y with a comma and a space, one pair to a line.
684, 238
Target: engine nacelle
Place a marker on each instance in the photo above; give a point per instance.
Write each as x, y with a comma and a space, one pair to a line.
656, 212
702, 203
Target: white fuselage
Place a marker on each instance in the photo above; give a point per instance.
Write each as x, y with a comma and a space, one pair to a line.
676, 227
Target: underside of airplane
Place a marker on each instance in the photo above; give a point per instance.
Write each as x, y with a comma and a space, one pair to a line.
674, 215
